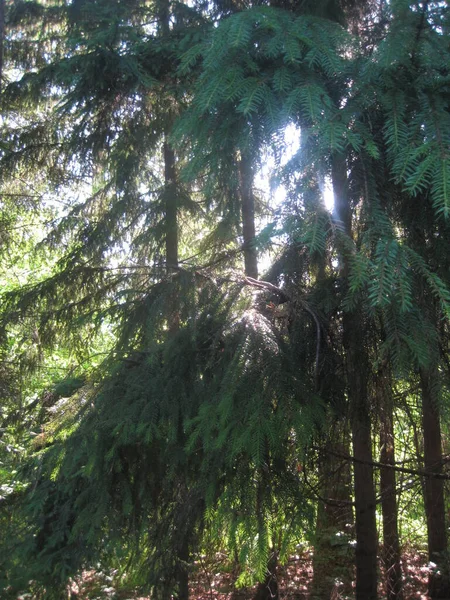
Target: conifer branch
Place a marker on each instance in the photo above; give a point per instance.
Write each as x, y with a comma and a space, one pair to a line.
268, 286
379, 465
286, 298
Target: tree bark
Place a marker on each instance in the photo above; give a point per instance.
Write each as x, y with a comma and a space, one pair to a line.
171, 229
248, 216
183, 573
333, 561
365, 502
391, 544
357, 368
170, 207
438, 583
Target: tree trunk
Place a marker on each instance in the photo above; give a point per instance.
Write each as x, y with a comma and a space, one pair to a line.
248, 216
171, 250
333, 560
268, 589
439, 584
391, 544
171, 228
170, 207
170, 176
183, 573
365, 503
357, 386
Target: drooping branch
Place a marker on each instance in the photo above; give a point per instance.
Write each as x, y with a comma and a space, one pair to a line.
268, 286
284, 297
380, 465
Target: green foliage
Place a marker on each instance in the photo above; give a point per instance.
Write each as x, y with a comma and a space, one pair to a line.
188, 395
203, 408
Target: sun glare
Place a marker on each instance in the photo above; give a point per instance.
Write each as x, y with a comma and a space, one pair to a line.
328, 195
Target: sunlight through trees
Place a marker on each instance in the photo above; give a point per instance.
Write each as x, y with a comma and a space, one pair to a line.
224, 317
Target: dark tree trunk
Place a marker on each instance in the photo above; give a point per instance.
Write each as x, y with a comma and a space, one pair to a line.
365, 503
439, 584
183, 573
391, 544
248, 216
171, 229
170, 206
359, 406
170, 175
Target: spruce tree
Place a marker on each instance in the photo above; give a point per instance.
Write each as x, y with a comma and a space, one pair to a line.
157, 114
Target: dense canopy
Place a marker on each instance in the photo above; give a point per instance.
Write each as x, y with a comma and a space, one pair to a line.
198, 353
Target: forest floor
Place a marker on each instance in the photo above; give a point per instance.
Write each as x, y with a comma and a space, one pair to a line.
213, 581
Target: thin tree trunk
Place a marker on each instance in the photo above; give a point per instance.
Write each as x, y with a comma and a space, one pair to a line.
171, 228
248, 216
359, 406
391, 544
439, 585
170, 175
170, 206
